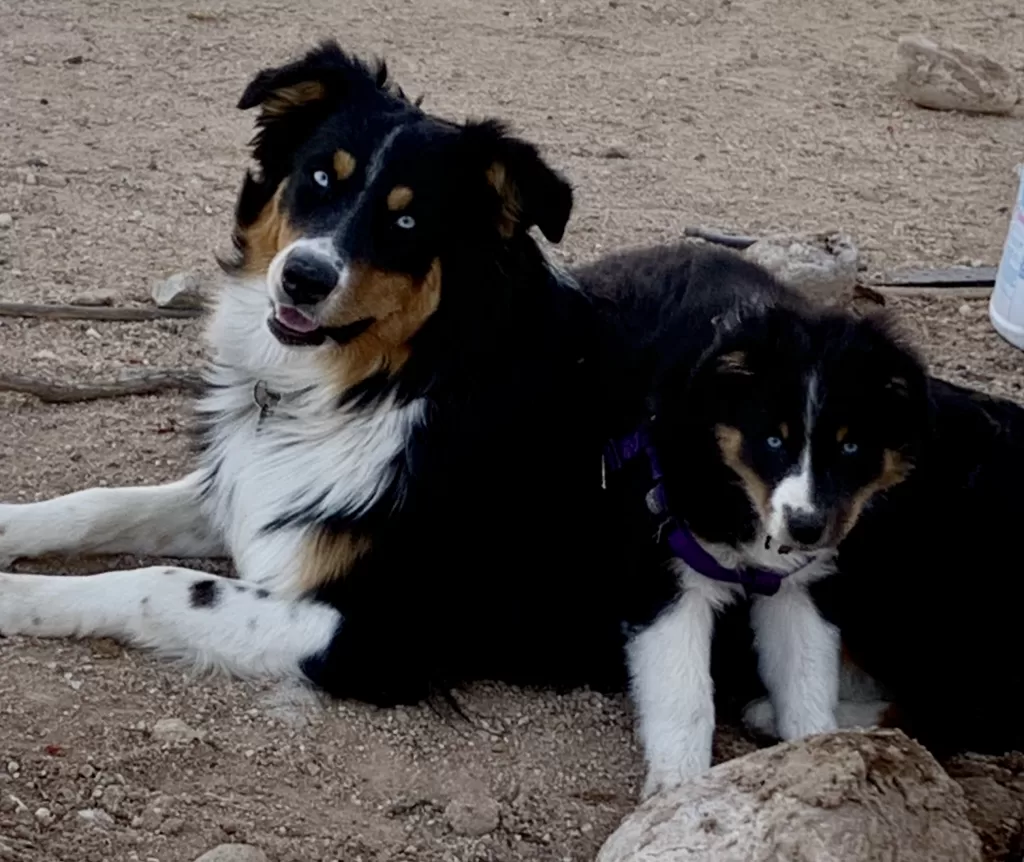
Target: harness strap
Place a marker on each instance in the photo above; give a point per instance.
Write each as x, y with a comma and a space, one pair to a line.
680, 541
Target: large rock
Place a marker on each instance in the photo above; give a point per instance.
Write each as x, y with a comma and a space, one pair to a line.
947, 77
842, 797
820, 265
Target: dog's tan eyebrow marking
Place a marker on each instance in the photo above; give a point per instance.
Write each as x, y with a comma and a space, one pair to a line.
399, 198
344, 164
841, 434
784, 430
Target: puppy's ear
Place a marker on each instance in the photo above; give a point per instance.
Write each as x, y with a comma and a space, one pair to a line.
529, 191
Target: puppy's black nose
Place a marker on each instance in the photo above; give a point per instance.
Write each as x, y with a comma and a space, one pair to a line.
306, 279
806, 528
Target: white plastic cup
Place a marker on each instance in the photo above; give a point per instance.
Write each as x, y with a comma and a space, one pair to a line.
1006, 308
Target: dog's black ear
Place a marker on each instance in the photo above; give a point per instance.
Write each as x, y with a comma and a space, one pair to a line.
326, 72
295, 97
530, 192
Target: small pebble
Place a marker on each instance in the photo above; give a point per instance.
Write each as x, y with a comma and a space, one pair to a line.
6, 220
44, 816
96, 816
233, 853
174, 730
30, 60
92, 333
96, 297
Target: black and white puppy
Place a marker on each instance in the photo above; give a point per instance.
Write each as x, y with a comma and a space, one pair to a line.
774, 426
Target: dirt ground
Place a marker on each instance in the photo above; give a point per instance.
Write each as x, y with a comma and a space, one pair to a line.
120, 154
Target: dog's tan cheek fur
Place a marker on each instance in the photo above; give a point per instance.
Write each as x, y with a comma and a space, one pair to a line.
265, 237
399, 305
895, 468
326, 557
730, 443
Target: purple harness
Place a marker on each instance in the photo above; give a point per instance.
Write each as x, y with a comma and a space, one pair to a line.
681, 542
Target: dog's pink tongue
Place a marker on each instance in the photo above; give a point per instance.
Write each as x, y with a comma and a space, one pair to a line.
295, 319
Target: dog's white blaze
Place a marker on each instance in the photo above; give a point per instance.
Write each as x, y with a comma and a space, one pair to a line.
795, 492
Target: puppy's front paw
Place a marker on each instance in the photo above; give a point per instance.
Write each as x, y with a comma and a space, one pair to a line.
661, 779
759, 719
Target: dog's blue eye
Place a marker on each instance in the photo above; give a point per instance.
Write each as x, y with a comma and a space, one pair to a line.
850, 448
774, 442
321, 179
406, 222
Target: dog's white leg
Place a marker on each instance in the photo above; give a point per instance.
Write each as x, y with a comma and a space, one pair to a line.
798, 656
670, 668
211, 621
159, 520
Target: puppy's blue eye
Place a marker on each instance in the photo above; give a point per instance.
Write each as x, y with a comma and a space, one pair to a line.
774, 442
406, 222
850, 448
321, 179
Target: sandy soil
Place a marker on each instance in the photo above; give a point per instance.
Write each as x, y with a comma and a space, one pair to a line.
120, 153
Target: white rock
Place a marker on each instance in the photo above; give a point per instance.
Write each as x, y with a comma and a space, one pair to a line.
840, 797
48, 355
181, 290
44, 816
6, 220
947, 77
473, 815
821, 265
96, 816
233, 853
174, 730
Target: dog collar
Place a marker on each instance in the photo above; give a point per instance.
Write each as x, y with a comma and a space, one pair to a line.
680, 541
265, 399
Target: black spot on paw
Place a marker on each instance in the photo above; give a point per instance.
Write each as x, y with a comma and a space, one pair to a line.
262, 593
36, 622
204, 594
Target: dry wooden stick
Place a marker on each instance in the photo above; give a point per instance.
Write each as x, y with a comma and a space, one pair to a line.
145, 383
92, 312
726, 239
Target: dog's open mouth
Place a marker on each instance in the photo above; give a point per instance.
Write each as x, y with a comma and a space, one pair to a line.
291, 326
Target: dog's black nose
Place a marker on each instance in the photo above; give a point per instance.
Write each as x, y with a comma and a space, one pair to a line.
307, 279
806, 528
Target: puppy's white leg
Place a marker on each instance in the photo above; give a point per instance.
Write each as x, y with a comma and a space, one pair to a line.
798, 656
162, 520
211, 621
670, 668
759, 715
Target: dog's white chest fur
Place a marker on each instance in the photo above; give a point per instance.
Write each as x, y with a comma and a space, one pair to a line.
303, 458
